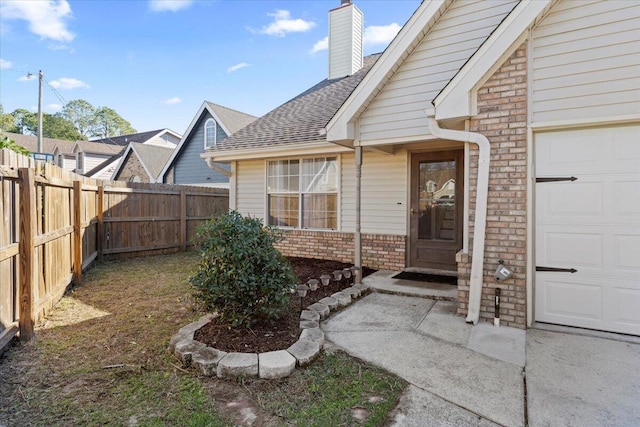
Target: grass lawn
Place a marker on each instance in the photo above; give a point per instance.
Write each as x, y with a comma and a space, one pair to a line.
100, 359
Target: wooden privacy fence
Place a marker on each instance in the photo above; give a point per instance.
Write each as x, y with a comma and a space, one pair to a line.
56, 223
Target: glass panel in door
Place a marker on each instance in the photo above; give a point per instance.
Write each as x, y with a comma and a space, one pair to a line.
436, 192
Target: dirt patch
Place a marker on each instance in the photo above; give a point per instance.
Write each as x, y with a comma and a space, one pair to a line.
281, 334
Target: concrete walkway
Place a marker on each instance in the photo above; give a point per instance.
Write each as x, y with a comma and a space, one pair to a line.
475, 376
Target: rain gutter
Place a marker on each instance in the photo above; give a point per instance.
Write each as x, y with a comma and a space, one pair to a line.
480, 220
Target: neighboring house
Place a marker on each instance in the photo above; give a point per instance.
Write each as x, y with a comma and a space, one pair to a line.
162, 137
142, 163
49, 145
99, 158
532, 107
64, 156
210, 126
93, 156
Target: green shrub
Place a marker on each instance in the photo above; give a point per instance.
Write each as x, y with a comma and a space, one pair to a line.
241, 275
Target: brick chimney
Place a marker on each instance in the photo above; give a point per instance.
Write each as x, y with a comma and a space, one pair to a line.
345, 40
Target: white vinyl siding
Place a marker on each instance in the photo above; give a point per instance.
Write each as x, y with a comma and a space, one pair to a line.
250, 195
92, 160
348, 193
397, 113
345, 41
384, 193
586, 61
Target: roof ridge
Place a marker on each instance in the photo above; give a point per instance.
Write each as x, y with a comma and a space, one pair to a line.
230, 109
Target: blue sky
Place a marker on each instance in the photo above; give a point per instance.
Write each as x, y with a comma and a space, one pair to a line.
156, 61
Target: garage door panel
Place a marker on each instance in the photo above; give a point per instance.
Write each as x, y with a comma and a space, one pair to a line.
621, 309
571, 200
572, 250
627, 254
559, 297
591, 224
566, 152
627, 198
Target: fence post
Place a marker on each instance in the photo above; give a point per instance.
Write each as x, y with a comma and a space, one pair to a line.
183, 220
100, 228
27, 188
77, 232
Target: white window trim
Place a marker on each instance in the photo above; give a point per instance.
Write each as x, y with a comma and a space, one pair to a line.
338, 193
208, 145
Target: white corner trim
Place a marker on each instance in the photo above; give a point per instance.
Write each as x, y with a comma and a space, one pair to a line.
456, 99
480, 220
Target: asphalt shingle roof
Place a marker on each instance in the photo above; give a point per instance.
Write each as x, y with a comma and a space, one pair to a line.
299, 120
153, 157
30, 142
100, 147
124, 140
233, 120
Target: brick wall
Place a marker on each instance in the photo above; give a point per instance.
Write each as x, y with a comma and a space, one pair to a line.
502, 118
382, 252
132, 167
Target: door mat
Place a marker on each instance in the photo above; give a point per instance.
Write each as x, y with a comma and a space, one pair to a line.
421, 277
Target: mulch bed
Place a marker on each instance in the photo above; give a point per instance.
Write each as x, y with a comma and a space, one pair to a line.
263, 337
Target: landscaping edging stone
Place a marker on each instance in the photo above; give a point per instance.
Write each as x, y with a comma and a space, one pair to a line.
210, 361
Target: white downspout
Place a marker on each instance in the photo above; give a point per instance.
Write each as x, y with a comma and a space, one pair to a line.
480, 221
358, 234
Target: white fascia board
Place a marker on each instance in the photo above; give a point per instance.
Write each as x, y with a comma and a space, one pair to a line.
183, 139
341, 127
457, 98
271, 152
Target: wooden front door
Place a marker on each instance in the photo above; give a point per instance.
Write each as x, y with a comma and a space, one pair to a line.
436, 209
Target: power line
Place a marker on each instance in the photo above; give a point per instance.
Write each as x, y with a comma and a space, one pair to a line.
55, 92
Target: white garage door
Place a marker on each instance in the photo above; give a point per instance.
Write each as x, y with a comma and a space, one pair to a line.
592, 225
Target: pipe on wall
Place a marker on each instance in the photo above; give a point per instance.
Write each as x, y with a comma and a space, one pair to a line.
480, 220
358, 233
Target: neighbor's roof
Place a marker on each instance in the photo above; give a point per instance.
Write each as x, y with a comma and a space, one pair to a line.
153, 157
30, 142
233, 120
99, 147
124, 140
299, 120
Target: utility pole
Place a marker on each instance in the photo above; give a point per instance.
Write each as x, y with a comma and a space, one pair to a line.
40, 78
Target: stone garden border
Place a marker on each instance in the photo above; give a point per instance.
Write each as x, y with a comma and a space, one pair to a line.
273, 364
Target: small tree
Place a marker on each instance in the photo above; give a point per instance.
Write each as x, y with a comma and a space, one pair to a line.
242, 275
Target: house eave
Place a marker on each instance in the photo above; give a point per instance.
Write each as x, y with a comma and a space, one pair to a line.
457, 100
271, 152
340, 128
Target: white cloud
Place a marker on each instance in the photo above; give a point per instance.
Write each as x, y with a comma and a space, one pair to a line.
380, 34
27, 78
237, 67
54, 107
283, 24
46, 18
172, 101
5, 65
169, 5
320, 45
67, 83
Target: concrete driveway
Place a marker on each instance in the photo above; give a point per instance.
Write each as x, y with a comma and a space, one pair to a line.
479, 376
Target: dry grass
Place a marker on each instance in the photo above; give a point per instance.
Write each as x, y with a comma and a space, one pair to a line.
122, 316
100, 359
